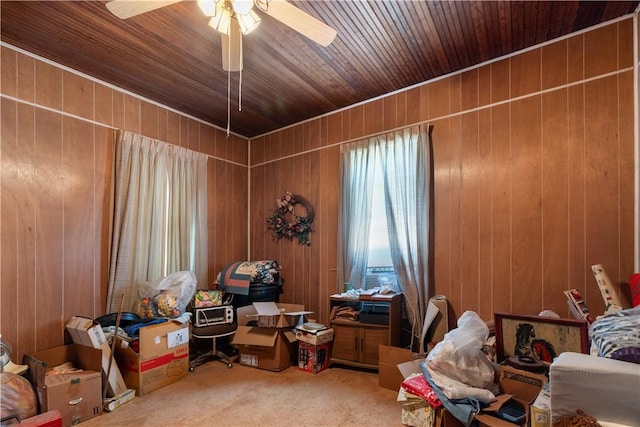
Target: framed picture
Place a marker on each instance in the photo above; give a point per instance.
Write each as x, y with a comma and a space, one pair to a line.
539, 338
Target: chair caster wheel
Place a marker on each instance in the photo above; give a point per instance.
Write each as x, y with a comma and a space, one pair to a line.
229, 365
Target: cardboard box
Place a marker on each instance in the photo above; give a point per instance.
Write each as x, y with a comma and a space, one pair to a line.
314, 358
487, 416
316, 337
272, 315
389, 375
540, 409
523, 385
421, 414
163, 357
85, 331
273, 349
418, 414
76, 395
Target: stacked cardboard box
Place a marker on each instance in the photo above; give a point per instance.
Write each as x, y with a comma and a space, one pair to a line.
314, 358
314, 336
265, 336
87, 332
314, 348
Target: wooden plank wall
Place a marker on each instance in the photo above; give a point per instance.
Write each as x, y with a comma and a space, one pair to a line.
55, 182
533, 178
533, 183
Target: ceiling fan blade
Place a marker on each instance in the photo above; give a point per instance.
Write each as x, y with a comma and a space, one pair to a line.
124, 9
232, 48
300, 21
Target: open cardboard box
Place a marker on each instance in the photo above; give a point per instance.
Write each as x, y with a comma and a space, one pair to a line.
523, 385
488, 415
487, 418
163, 356
273, 348
389, 359
272, 315
87, 332
76, 395
317, 337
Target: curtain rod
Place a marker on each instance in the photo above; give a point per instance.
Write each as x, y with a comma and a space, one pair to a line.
341, 143
373, 135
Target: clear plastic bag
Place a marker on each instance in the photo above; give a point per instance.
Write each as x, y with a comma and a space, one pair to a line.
167, 297
17, 396
459, 355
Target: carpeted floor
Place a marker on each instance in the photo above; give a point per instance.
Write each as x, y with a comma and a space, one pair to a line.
214, 395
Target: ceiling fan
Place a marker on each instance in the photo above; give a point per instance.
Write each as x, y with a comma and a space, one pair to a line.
233, 18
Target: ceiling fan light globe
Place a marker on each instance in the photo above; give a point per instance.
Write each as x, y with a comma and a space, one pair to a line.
248, 22
242, 7
208, 7
221, 22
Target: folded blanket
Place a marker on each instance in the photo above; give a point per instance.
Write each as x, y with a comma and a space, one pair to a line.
617, 335
236, 278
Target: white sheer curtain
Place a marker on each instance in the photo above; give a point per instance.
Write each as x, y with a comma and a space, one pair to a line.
405, 156
357, 171
159, 218
406, 164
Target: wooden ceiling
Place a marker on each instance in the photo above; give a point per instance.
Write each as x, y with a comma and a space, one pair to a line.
173, 57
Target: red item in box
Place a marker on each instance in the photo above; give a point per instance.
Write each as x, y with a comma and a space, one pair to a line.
418, 385
634, 285
50, 418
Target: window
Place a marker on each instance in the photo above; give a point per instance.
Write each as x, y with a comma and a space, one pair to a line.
386, 173
160, 212
379, 264
379, 252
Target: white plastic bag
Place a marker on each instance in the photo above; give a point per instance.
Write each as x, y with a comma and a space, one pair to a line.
459, 355
167, 297
454, 389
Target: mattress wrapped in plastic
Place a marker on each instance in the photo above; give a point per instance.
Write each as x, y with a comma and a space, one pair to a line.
606, 389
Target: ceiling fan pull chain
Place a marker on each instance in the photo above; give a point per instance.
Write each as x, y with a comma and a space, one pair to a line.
240, 78
228, 102
229, 91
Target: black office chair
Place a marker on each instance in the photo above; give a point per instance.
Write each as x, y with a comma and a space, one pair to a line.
213, 323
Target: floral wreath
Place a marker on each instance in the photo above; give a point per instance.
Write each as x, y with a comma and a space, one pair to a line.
279, 222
